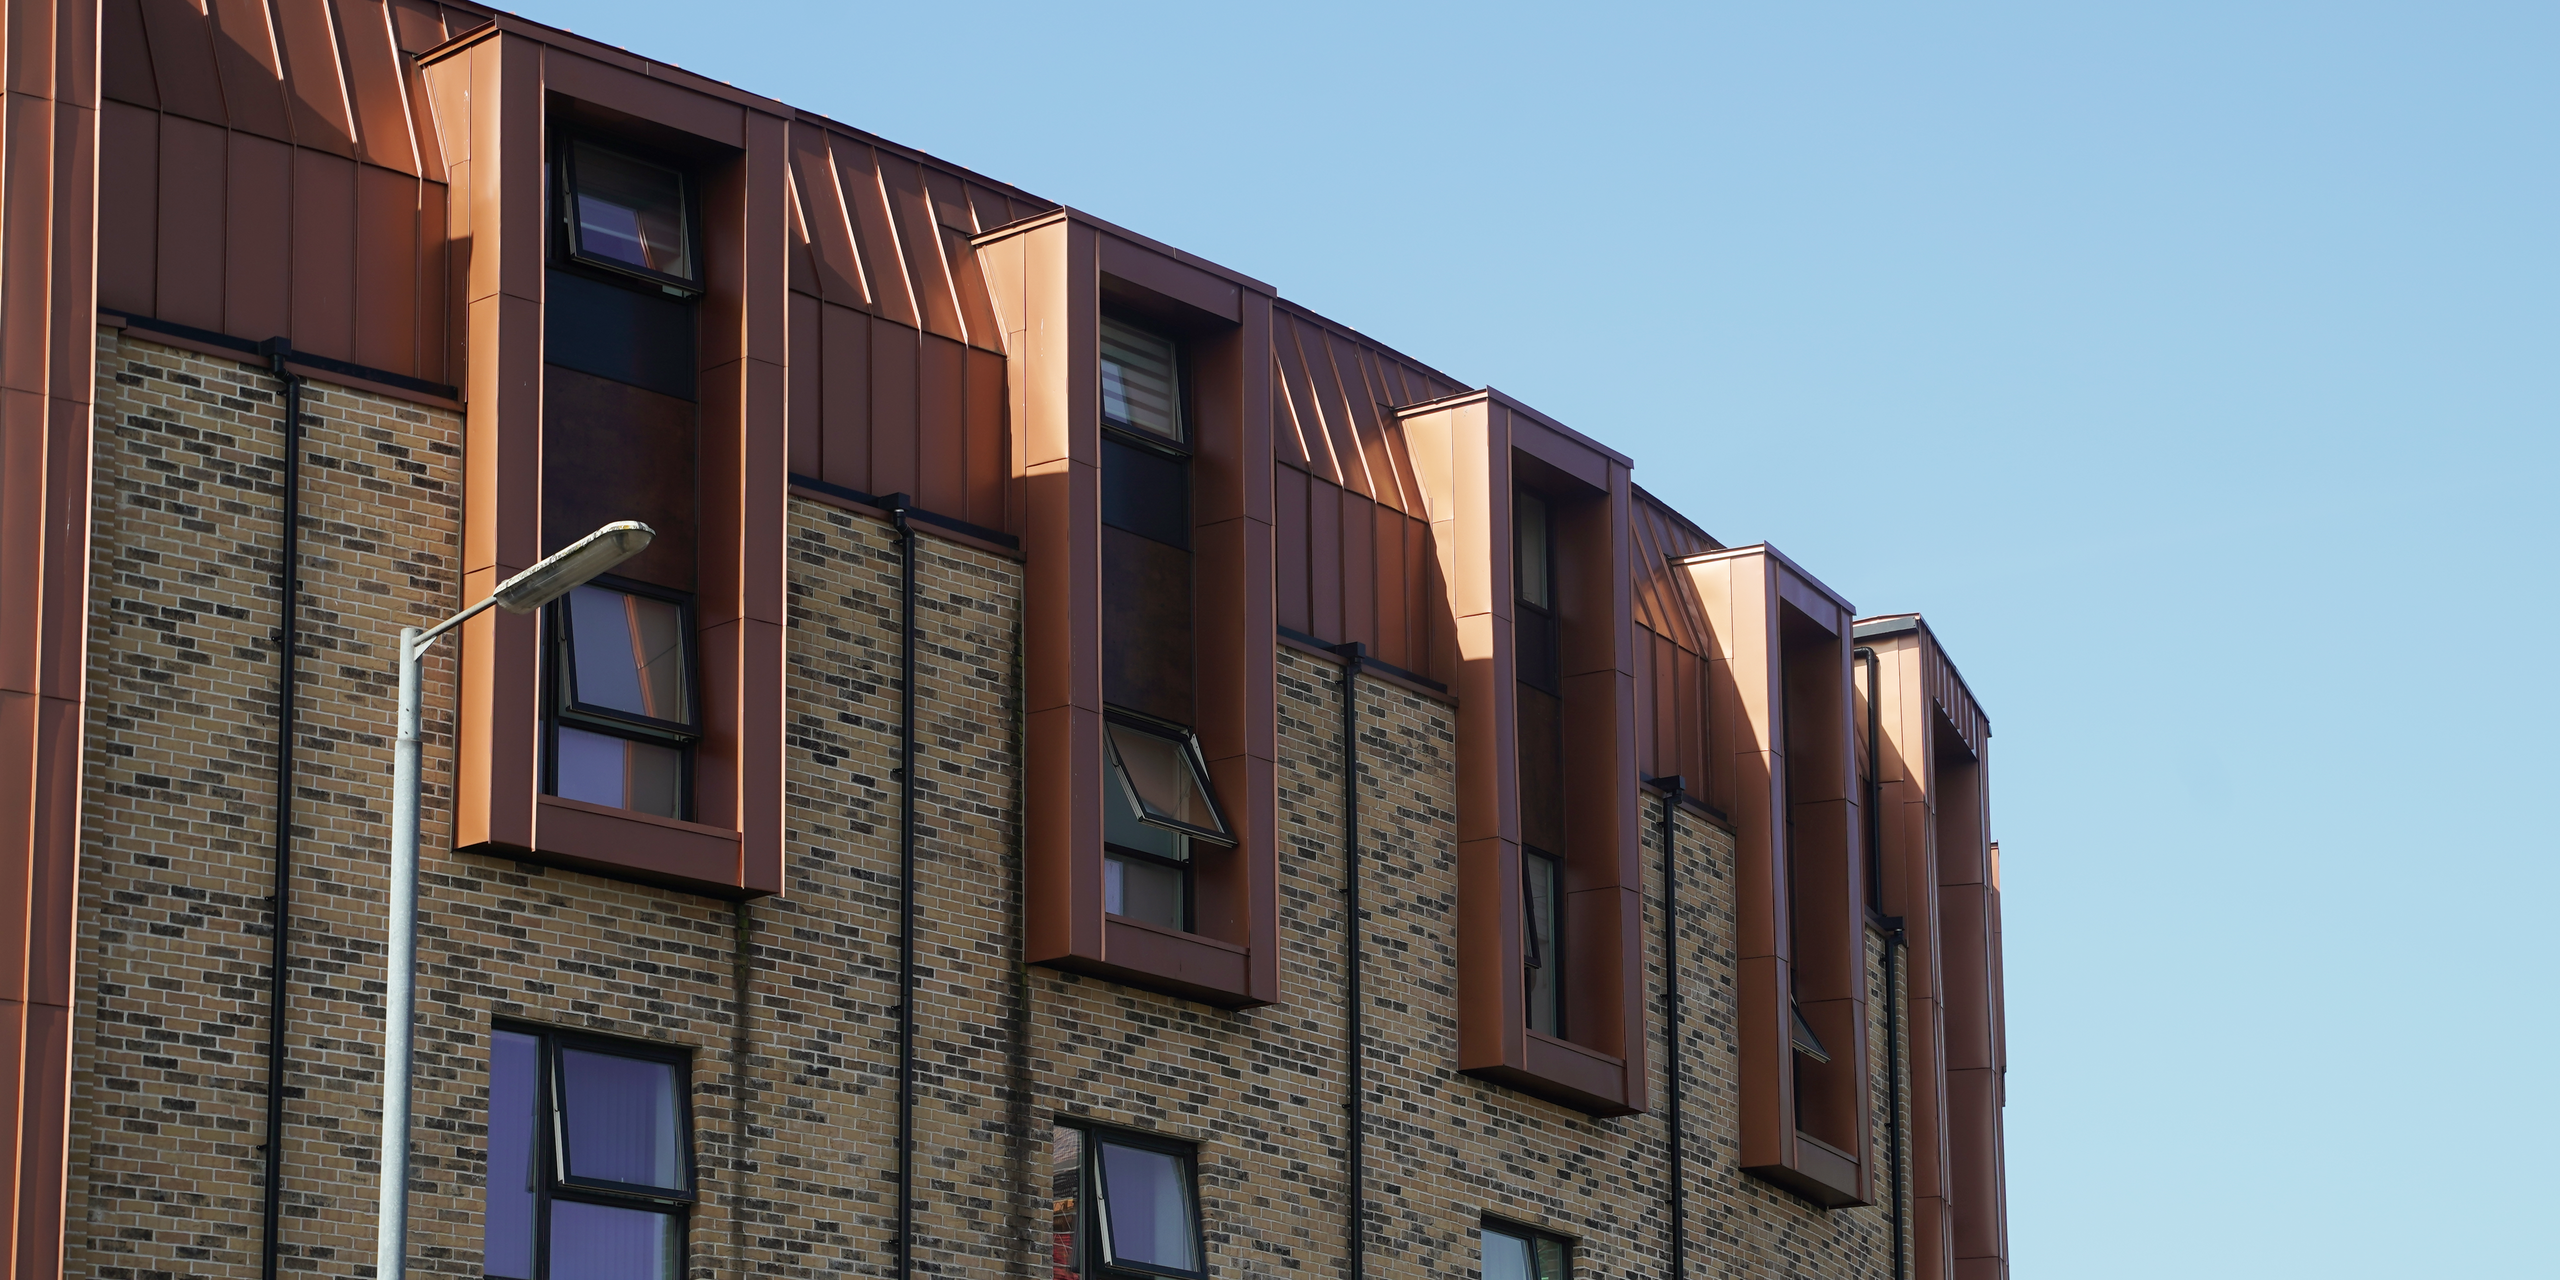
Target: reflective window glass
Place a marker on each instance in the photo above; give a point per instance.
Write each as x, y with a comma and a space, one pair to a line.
1142, 889
1146, 1207
1543, 969
1536, 581
630, 212
623, 1120
515, 1090
1066, 1200
613, 1242
627, 654
1141, 390
1164, 778
599, 768
1521, 1255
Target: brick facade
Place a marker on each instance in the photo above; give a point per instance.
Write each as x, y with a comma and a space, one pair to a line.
793, 1093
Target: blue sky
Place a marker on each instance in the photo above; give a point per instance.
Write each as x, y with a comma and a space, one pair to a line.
2192, 366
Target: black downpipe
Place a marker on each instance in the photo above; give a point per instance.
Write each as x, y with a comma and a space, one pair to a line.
906, 884
1675, 1069
1354, 655
288, 639
1894, 940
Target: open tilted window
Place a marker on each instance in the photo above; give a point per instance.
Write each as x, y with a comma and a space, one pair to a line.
1156, 803
590, 1159
1123, 1204
628, 215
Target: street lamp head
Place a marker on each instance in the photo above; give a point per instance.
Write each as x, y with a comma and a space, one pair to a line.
561, 572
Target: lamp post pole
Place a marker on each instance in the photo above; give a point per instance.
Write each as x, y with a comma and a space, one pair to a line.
555, 576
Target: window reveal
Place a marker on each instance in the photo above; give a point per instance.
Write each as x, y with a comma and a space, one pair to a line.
1122, 1204
625, 719
590, 1160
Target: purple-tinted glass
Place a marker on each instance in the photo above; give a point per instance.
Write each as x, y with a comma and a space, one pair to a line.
1146, 1205
603, 1242
622, 1119
506, 1242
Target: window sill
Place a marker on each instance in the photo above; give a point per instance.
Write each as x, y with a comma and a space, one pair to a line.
1168, 960
1563, 1072
638, 846
1822, 1173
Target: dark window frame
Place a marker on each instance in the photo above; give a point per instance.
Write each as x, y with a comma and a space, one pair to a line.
1091, 1254
550, 1184
1565, 1244
1194, 837
569, 244
1187, 446
558, 708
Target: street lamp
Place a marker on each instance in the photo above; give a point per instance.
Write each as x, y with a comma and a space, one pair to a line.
555, 576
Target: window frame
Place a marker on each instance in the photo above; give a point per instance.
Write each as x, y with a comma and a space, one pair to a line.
1188, 738
1532, 1236
571, 241
551, 1184
1091, 1248
559, 709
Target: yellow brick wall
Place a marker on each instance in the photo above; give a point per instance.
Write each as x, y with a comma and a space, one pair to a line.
793, 1140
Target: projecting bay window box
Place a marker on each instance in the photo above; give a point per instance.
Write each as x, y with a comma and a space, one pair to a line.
619, 367
1782, 760
1143, 460
1531, 522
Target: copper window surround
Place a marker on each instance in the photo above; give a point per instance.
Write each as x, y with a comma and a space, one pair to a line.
1779, 679
1472, 453
498, 92
1052, 277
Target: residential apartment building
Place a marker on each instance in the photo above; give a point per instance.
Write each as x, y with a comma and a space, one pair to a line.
1101, 772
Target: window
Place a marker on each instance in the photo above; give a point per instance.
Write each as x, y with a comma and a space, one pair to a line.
628, 215
590, 1159
1141, 382
1122, 1204
1524, 1253
1541, 765
1541, 941
1156, 802
625, 721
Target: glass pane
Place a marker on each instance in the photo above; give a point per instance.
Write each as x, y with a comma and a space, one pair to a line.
1167, 781
1535, 582
1550, 1258
1543, 968
1139, 390
628, 653
622, 1119
506, 1238
599, 768
1120, 815
1143, 890
1506, 1256
604, 1242
1147, 1207
1066, 1185
631, 212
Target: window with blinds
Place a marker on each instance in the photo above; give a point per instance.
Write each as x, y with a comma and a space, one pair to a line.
1141, 382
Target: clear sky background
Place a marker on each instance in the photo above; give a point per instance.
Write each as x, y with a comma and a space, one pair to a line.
2194, 367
